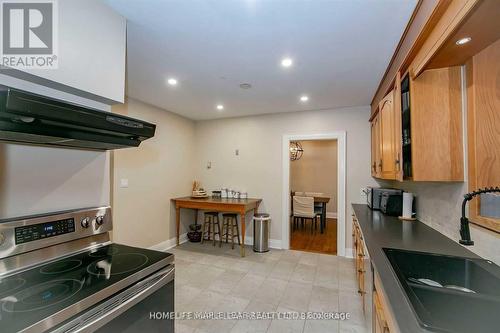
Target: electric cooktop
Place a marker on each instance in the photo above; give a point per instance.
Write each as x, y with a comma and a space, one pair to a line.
31, 295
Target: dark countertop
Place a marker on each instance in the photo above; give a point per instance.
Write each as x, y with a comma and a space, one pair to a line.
381, 231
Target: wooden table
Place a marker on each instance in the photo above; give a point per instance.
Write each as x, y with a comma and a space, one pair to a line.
239, 206
323, 201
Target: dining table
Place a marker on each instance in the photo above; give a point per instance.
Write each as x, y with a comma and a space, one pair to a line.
226, 205
323, 201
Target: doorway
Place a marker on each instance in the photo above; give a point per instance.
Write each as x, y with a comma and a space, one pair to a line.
334, 221
313, 175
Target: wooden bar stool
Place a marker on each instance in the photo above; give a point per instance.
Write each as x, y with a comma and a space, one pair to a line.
229, 224
210, 222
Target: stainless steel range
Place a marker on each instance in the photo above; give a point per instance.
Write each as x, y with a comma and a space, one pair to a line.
60, 273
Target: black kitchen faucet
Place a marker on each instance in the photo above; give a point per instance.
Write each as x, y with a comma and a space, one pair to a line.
464, 221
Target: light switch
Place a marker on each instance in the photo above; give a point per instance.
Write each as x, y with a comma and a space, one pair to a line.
237, 152
124, 183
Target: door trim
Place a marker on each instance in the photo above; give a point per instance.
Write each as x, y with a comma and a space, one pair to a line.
340, 136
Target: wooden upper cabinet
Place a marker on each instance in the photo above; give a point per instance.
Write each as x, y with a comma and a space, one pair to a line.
483, 118
433, 148
387, 137
398, 131
375, 143
476, 19
436, 126
453, 13
427, 112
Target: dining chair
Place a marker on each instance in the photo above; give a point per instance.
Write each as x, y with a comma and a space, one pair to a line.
292, 193
303, 209
318, 206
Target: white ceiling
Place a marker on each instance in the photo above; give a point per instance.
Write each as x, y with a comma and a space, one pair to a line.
340, 50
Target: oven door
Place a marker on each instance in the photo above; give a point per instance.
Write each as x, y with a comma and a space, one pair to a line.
139, 308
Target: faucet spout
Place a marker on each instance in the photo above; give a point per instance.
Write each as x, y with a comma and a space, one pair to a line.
464, 221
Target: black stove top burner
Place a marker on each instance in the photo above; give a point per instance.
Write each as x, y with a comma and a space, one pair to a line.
34, 295
61, 266
42, 295
117, 264
10, 285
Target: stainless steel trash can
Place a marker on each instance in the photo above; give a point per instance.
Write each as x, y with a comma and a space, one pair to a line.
261, 232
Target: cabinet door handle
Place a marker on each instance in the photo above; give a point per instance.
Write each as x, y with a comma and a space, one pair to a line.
361, 271
398, 163
380, 165
361, 292
361, 255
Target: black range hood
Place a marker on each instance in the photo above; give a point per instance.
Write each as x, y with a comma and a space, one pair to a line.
28, 118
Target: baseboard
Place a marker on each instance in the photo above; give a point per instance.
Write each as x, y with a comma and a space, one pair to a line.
331, 215
349, 252
273, 243
169, 243
172, 242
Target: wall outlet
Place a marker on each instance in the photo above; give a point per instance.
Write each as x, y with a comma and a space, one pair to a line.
363, 194
124, 183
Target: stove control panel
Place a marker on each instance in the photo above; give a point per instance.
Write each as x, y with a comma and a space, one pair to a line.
34, 232
24, 234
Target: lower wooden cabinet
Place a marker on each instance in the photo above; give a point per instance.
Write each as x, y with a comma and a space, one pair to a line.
379, 322
383, 321
362, 267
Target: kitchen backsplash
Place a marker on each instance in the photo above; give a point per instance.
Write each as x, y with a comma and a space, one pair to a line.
439, 206
36, 180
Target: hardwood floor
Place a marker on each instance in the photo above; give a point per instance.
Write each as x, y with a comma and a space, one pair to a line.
303, 240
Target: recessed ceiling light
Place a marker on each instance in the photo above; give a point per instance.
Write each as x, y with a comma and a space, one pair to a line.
286, 62
245, 86
171, 81
220, 107
463, 41
304, 98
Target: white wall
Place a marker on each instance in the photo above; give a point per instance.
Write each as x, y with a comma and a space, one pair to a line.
162, 168
258, 168
92, 42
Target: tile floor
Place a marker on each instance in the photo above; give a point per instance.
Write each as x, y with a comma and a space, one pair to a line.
217, 279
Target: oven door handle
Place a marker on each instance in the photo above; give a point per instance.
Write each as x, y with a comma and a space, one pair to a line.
111, 312
167, 273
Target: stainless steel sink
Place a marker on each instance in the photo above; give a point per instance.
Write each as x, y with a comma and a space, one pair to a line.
468, 299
